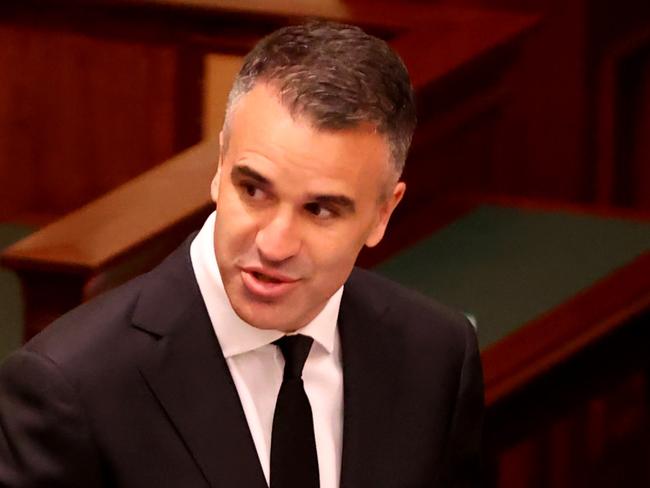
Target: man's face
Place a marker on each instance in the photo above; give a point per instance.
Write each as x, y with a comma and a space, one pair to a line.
295, 205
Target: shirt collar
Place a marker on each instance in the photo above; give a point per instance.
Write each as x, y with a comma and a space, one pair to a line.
234, 334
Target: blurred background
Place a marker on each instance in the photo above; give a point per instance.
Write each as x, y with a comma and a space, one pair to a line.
528, 202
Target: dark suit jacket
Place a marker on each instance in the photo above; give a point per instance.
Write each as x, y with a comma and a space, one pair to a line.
132, 390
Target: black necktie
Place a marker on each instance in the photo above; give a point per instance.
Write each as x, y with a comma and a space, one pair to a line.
294, 463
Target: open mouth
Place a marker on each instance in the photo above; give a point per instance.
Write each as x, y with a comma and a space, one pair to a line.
265, 278
264, 286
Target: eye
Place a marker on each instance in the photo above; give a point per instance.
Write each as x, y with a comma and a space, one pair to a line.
252, 191
317, 210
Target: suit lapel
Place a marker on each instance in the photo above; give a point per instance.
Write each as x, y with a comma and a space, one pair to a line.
188, 374
368, 386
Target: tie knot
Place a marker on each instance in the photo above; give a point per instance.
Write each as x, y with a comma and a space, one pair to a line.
295, 349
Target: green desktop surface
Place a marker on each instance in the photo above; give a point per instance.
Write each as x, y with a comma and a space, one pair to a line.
11, 304
506, 266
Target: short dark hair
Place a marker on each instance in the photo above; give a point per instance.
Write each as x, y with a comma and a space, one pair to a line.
338, 76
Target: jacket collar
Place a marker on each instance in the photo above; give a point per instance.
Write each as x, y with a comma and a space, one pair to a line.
188, 374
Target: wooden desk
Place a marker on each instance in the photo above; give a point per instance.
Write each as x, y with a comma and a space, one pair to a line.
562, 301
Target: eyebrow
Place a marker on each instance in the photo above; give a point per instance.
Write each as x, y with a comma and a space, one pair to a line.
345, 203
240, 171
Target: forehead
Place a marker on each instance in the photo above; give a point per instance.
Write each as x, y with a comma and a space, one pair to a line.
264, 133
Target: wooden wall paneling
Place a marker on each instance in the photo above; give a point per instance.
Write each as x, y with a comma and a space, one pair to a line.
623, 122
518, 466
101, 99
641, 152
633, 165
612, 30
187, 100
87, 115
563, 450
17, 169
220, 71
460, 121
626, 118
583, 424
605, 131
542, 151
595, 429
547, 119
560, 139
458, 162
622, 425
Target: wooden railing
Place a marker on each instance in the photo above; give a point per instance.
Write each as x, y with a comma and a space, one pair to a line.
113, 238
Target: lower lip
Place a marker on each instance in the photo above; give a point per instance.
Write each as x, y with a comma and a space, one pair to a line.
266, 289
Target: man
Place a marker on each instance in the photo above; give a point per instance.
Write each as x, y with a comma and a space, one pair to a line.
256, 355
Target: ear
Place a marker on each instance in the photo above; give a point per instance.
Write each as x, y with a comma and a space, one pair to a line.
214, 186
383, 215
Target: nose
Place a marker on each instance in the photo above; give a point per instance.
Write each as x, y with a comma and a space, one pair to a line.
278, 240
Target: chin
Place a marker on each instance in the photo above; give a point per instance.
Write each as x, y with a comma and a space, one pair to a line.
286, 314
258, 315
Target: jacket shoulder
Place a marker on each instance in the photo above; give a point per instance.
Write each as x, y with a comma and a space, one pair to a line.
399, 298
407, 312
90, 328
105, 324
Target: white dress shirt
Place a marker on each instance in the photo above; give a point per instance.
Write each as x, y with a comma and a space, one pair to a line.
256, 365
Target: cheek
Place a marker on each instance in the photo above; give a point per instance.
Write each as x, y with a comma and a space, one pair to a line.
337, 254
234, 227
